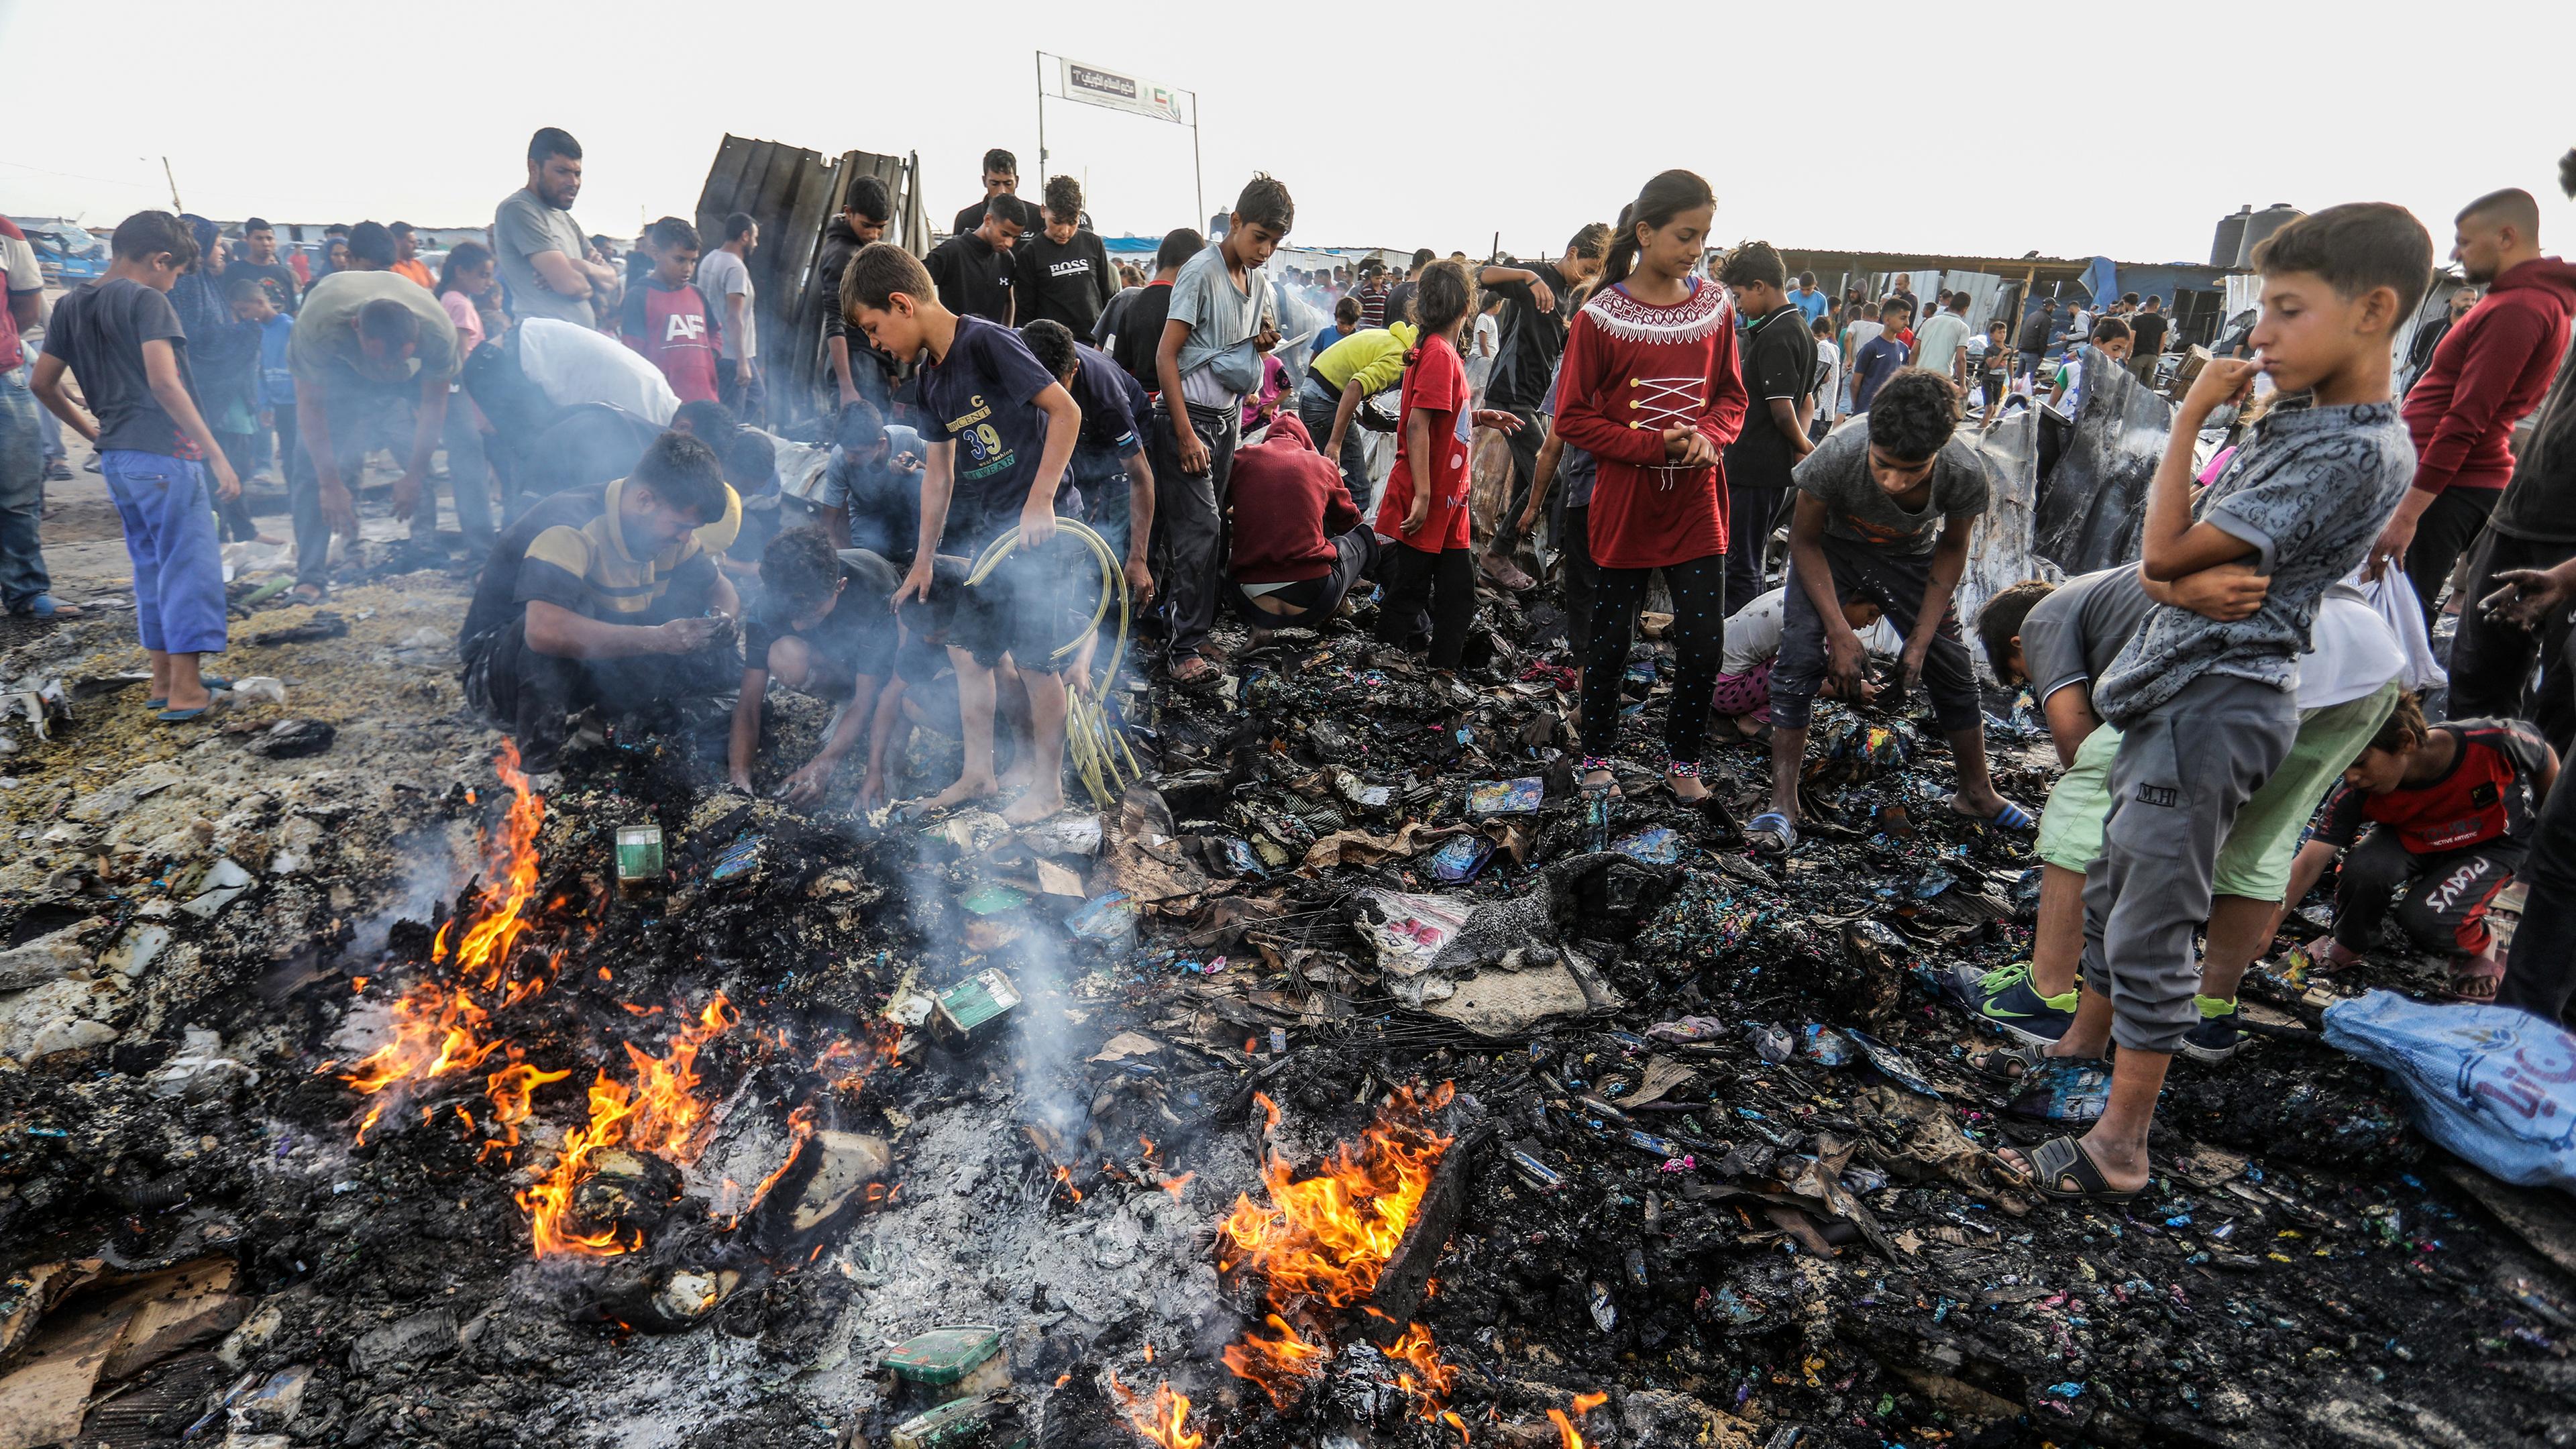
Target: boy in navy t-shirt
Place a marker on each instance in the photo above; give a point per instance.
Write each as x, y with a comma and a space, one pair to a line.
1001, 430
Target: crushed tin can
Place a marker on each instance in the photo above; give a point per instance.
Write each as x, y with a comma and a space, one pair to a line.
737, 864
972, 1012
1536, 1173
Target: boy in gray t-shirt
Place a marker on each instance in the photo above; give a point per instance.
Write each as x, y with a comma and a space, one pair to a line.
1220, 301
1885, 509
2206, 708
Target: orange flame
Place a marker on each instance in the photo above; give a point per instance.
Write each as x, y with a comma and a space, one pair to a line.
1565, 1430
1326, 1238
1175, 1185
442, 1029
1281, 1366
510, 1090
1269, 1112
1428, 1382
1064, 1176
549, 1201
1162, 1419
660, 1115
1329, 1236
800, 1130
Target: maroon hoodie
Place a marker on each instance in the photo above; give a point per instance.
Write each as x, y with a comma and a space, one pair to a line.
1288, 503
2488, 374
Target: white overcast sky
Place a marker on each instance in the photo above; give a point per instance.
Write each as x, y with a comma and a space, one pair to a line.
2075, 130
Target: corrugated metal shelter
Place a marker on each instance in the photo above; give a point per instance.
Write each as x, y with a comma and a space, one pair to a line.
794, 194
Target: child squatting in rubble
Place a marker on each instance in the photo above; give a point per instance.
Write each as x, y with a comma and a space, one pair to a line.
2449, 811
2206, 708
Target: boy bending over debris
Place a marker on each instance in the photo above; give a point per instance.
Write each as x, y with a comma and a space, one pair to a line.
2451, 809
2060, 638
1001, 430
822, 629
605, 595
2206, 708
1885, 511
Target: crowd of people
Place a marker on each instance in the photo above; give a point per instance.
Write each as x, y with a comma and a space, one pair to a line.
2233, 715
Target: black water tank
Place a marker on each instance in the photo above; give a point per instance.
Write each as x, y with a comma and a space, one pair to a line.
2260, 226
2230, 240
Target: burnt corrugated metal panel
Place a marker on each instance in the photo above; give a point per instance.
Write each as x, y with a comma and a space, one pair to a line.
794, 194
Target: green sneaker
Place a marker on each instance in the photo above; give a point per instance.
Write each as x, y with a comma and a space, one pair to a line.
2217, 1037
2005, 999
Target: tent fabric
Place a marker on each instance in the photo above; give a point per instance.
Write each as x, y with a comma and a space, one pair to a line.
2091, 503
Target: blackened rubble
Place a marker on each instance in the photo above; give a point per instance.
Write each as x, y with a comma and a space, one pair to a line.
1695, 1167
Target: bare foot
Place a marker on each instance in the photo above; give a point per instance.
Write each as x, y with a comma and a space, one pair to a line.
1686, 787
967, 788
1035, 806
196, 698
268, 539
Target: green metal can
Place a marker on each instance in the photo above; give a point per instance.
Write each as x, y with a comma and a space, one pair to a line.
639, 858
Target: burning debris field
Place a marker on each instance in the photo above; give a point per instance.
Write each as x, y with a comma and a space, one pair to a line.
1323, 1087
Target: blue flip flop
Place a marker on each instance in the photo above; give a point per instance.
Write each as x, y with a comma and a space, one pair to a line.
1776, 825
215, 682
2013, 817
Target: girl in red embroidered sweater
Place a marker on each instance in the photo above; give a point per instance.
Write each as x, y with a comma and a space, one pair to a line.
1650, 388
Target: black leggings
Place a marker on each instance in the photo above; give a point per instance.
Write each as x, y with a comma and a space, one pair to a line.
1443, 585
2443, 897
1699, 635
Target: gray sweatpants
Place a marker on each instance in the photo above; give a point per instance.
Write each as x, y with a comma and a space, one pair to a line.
2183, 771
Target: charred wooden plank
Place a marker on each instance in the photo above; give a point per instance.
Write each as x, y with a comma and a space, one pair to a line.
1408, 1271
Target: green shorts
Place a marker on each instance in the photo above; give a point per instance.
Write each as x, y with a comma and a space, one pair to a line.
2255, 862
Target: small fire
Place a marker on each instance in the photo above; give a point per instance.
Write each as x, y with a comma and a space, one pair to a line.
1565, 1430
800, 1130
510, 1090
1162, 1419
849, 1061
1281, 1366
1428, 1380
1325, 1239
660, 1115
443, 1028
1064, 1179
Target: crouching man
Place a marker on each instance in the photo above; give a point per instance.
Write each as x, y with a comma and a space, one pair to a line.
609, 596
1298, 544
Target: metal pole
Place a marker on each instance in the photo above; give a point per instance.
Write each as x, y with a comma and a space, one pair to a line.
174, 179
1042, 171
1198, 176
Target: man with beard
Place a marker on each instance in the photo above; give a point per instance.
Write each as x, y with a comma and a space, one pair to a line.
2491, 370
545, 262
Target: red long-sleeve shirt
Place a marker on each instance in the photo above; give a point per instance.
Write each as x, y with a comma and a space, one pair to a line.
1630, 371
2491, 370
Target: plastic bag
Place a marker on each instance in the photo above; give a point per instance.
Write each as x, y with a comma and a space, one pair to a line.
2394, 597
2495, 1085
